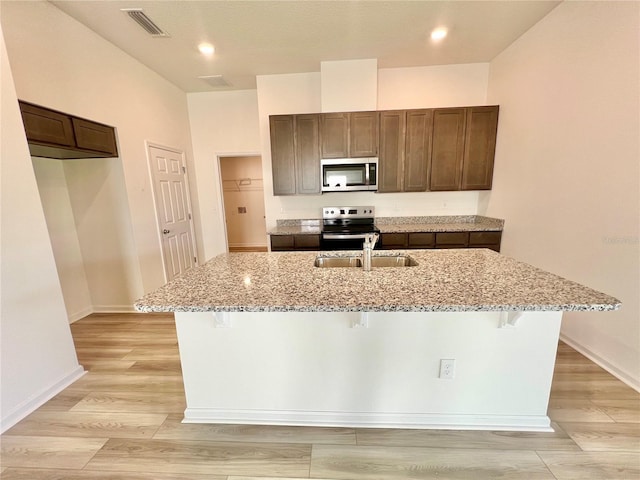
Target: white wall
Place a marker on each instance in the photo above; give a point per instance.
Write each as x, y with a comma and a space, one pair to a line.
59, 63
58, 212
433, 87
96, 189
567, 171
349, 85
222, 124
424, 87
37, 356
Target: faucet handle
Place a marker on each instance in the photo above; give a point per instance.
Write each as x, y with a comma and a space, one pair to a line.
372, 238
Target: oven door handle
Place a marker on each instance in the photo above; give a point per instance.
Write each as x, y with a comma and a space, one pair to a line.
337, 236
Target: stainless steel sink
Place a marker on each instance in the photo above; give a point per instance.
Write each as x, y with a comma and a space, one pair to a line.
331, 262
377, 261
392, 261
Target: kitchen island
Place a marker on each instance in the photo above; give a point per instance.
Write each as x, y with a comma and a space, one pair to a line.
269, 338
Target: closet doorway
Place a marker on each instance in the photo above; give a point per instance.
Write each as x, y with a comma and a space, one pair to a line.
243, 198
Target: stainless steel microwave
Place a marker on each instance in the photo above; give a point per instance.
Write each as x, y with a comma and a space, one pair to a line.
349, 174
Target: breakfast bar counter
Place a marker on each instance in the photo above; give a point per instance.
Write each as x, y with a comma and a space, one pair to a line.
442, 281
462, 339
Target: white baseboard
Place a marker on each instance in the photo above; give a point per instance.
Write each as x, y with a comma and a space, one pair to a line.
74, 317
113, 309
524, 423
36, 401
621, 375
247, 245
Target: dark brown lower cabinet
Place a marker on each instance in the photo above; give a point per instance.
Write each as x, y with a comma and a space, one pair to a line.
452, 239
281, 243
401, 240
392, 240
421, 240
389, 241
490, 240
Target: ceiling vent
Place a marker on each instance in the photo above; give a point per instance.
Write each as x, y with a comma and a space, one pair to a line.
145, 22
217, 81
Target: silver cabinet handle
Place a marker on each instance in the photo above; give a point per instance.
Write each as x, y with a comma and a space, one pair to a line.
165, 231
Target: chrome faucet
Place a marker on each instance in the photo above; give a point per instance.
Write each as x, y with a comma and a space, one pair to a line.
370, 240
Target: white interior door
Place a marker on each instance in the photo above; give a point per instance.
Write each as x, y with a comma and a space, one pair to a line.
173, 208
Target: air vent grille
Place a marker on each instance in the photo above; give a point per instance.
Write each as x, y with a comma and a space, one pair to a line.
141, 18
215, 80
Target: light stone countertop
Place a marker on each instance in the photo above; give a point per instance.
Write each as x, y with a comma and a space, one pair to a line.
455, 223
296, 230
448, 280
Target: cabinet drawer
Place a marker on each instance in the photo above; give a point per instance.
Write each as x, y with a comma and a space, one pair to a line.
306, 242
393, 240
422, 240
460, 239
484, 238
282, 242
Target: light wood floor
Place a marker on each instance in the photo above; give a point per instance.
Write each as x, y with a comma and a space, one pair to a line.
121, 421
248, 249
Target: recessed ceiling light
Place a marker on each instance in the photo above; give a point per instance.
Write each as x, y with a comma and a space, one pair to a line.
438, 34
206, 49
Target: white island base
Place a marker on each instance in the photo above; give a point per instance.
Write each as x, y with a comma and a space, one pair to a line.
378, 369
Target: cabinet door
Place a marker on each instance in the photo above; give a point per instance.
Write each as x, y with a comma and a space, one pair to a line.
307, 242
335, 135
417, 150
95, 136
447, 149
391, 161
490, 240
480, 146
307, 158
484, 238
421, 240
452, 239
282, 243
282, 154
393, 240
47, 126
363, 134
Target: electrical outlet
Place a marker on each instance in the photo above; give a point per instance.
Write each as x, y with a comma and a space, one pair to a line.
447, 368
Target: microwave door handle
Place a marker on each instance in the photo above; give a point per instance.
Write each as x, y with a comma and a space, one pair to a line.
366, 174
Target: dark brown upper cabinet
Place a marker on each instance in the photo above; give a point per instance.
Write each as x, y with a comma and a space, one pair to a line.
349, 134
447, 149
463, 148
335, 135
417, 150
283, 154
391, 160
307, 138
54, 134
295, 154
363, 134
405, 138
479, 148
443, 149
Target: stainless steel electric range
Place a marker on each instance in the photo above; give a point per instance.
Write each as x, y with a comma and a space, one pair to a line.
344, 228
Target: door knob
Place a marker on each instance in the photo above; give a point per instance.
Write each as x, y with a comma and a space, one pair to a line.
165, 231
